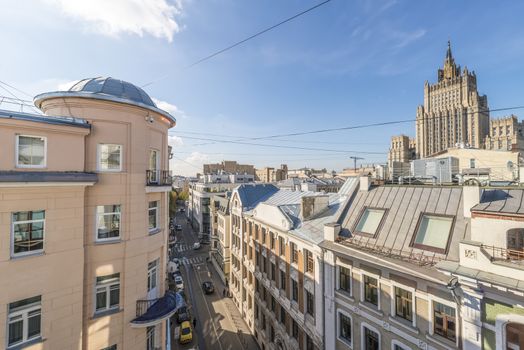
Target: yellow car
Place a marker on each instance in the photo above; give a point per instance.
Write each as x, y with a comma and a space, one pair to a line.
186, 333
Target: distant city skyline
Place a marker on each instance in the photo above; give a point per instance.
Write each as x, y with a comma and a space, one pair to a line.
346, 63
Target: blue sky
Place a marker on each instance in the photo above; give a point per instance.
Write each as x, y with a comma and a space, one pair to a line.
346, 63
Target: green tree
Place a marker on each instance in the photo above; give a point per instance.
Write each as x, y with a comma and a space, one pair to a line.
172, 203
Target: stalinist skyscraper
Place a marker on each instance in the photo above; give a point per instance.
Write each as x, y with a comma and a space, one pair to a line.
453, 112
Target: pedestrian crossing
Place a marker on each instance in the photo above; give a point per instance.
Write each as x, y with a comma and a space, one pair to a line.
181, 247
193, 260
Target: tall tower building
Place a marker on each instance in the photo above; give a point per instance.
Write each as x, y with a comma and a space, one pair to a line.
453, 111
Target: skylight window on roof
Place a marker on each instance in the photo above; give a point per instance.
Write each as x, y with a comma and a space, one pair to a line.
369, 221
433, 233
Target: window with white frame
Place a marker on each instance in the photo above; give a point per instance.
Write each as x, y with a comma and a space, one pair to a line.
24, 321
28, 228
153, 166
151, 335
444, 321
370, 339
370, 289
345, 333
107, 222
31, 151
153, 215
433, 233
152, 275
310, 263
344, 279
109, 157
403, 303
107, 292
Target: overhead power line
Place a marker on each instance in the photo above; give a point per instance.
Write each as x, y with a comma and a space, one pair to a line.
352, 127
16, 89
281, 146
227, 48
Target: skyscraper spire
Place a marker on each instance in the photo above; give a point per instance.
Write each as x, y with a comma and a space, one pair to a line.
449, 56
450, 69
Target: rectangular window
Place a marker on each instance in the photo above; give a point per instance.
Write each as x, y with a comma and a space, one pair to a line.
344, 279
404, 304
310, 265
344, 328
151, 335
153, 215
294, 252
109, 157
282, 280
107, 292
282, 315
152, 275
295, 329
294, 290
310, 303
444, 321
282, 246
24, 320
273, 272
28, 232
433, 233
107, 222
371, 290
273, 304
31, 151
272, 240
263, 236
371, 340
369, 221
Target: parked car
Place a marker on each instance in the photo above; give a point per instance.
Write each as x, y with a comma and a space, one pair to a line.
186, 333
196, 246
178, 227
208, 287
179, 282
182, 315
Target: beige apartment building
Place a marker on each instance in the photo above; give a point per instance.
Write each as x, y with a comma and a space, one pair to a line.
220, 235
229, 167
402, 149
453, 111
83, 218
269, 174
505, 134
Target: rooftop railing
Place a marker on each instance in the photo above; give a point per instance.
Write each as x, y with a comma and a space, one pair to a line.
504, 254
158, 178
410, 255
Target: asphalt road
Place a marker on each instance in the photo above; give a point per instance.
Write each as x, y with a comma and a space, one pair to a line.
219, 325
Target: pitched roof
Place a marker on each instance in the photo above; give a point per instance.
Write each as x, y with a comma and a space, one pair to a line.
251, 194
509, 201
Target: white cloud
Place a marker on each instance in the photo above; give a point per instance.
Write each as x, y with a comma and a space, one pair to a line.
197, 158
169, 108
113, 17
175, 141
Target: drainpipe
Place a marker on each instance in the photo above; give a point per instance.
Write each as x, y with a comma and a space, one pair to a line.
452, 286
323, 299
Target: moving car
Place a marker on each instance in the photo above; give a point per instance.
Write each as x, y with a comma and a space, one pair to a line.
179, 282
196, 246
186, 333
208, 287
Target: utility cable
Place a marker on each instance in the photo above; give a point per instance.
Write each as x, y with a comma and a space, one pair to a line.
227, 48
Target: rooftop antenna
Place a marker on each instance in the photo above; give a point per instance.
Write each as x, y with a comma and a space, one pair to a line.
355, 161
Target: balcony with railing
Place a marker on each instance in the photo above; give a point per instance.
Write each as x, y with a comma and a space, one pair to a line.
150, 312
503, 254
158, 178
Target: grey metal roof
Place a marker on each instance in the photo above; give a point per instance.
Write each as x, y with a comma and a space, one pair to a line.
67, 121
108, 89
113, 87
508, 201
404, 205
47, 176
251, 194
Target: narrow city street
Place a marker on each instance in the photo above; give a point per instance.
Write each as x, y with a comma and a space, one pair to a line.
219, 325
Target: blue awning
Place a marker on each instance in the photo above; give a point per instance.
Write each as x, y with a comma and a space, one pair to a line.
160, 310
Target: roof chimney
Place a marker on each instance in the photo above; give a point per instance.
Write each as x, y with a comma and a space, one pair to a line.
331, 231
471, 197
312, 205
365, 183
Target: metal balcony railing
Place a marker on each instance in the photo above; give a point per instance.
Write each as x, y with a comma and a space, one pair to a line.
143, 305
158, 178
511, 255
